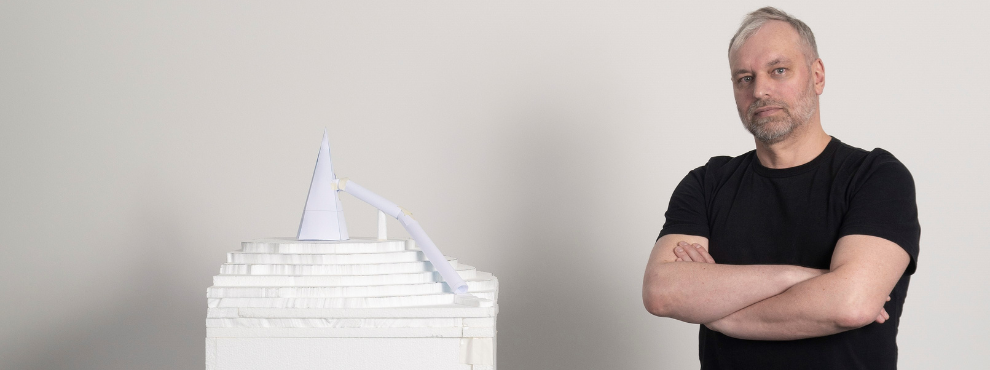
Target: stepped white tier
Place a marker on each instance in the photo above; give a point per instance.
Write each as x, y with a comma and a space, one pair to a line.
348, 304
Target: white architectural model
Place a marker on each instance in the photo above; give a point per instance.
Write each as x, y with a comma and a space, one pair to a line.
326, 301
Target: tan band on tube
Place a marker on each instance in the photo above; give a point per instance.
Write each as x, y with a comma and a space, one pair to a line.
341, 184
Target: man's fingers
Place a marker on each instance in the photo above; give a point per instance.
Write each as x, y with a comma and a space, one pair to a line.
682, 251
694, 254
704, 254
682, 254
882, 317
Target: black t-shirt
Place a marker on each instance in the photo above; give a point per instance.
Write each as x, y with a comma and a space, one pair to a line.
752, 214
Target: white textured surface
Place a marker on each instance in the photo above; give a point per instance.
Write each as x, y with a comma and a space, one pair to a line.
340, 323
440, 311
353, 245
329, 269
326, 258
405, 300
338, 291
336, 353
471, 276
478, 351
380, 297
358, 302
448, 332
468, 273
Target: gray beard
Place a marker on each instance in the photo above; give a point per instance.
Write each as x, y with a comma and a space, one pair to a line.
772, 130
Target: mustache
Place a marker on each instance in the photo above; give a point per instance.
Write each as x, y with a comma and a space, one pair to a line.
765, 103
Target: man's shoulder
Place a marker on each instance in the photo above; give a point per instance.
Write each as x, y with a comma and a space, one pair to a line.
720, 166
721, 162
865, 162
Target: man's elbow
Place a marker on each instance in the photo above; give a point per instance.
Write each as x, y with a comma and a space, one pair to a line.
655, 301
653, 305
854, 316
663, 293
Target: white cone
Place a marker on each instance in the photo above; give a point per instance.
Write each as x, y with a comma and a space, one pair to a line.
323, 217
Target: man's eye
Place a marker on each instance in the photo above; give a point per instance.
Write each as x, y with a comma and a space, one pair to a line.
780, 70
746, 79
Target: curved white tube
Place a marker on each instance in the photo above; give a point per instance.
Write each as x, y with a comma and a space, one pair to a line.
450, 276
373, 199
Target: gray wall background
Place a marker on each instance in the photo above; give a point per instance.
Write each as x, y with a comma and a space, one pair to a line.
540, 141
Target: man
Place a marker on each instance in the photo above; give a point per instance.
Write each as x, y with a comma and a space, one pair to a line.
796, 255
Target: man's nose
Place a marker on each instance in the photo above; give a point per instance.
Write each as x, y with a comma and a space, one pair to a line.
762, 87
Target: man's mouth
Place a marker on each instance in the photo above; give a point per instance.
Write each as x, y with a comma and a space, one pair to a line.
766, 111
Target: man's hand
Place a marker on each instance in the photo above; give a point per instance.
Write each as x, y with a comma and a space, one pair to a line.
883, 316
692, 253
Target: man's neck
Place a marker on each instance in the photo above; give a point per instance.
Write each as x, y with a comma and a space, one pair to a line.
800, 147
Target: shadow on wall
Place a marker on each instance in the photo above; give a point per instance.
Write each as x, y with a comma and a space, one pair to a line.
147, 327
556, 310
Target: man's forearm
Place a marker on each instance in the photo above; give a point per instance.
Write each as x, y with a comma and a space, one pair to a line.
808, 309
705, 292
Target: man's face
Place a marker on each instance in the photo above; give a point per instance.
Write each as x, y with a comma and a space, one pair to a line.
774, 83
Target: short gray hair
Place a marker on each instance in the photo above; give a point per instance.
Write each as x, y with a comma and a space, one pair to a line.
755, 20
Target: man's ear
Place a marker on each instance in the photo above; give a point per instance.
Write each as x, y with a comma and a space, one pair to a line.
818, 73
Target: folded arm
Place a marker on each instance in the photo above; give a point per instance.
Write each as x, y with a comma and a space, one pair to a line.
705, 292
863, 272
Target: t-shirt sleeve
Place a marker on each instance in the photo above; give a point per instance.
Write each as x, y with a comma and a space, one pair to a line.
687, 212
884, 206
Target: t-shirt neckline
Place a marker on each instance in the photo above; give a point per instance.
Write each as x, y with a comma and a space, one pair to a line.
796, 170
